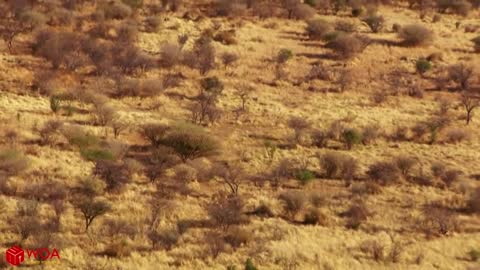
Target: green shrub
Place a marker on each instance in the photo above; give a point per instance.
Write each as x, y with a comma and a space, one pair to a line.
375, 22
95, 154
351, 137
305, 176
55, 104
422, 65
474, 255
249, 265
284, 55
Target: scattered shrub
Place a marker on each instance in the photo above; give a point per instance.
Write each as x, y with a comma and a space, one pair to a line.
319, 138
166, 238
351, 137
474, 201
115, 174
284, 55
384, 172
461, 74
347, 46
226, 211
375, 22
226, 37
155, 133
50, 131
438, 221
416, 35
315, 217
346, 26
170, 55
316, 29
422, 65
374, 248
305, 176
12, 162
456, 135
91, 209
474, 255
299, 125
370, 134
249, 265
293, 203
335, 164
405, 164
116, 10
476, 42
357, 214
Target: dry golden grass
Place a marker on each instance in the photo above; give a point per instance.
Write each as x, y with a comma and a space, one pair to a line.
275, 243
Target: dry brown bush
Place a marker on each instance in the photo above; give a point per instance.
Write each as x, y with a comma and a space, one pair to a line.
357, 214
303, 12
50, 131
462, 74
416, 35
437, 221
474, 201
373, 248
12, 162
384, 172
225, 211
336, 164
155, 133
170, 55
299, 125
115, 174
238, 237
226, 37
315, 216
316, 29
116, 10
406, 164
294, 202
165, 238
347, 46
457, 135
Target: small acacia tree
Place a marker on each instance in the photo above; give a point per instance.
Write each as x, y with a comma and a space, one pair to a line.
469, 103
190, 142
91, 209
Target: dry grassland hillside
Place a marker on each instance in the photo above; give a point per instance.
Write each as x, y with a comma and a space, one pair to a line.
246, 134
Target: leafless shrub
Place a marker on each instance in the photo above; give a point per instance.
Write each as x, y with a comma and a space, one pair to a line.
166, 238
50, 131
115, 174
238, 237
373, 248
451, 176
370, 133
319, 138
335, 164
303, 12
474, 201
346, 26
299, 125
461, 74
416, 35
357, 214
319, 72
405, 164
469, 103
116, 10
229, 59
226, 37
316, 29
456, 135
231, 175
155, 133
347, 46
12, 162
315, 216
127, 32
293, 203
153, 24
437, 221
226, 211
384, 172
170, 55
